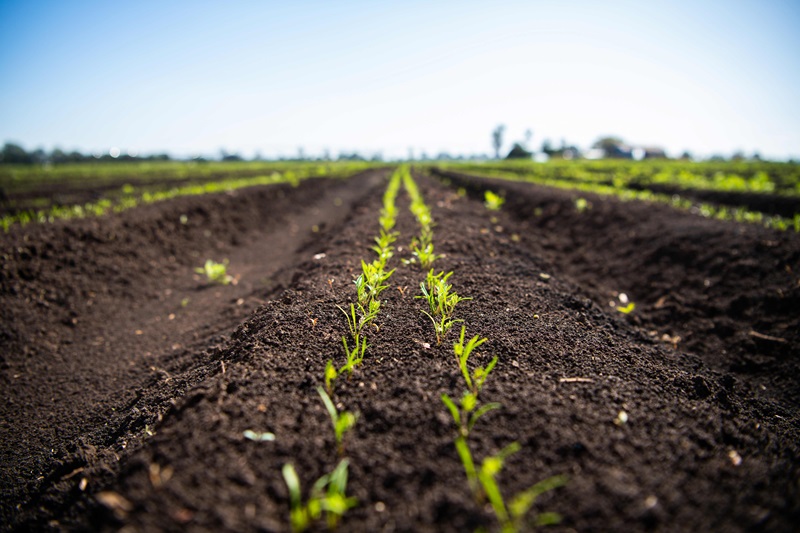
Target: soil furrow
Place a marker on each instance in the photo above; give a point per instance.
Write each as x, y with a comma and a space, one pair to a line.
104, 322
724, 291
693, 451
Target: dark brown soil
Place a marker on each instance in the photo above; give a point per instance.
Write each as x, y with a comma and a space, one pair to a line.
118, 416
773, 204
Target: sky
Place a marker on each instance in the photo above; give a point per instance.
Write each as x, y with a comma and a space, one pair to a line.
194, 78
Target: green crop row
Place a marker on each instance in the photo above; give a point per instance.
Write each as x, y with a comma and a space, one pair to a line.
441, 301
327, 497
745, 176
15, 178
328, 494
131, 196
535, 174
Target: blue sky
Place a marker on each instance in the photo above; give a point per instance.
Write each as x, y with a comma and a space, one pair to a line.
195, 77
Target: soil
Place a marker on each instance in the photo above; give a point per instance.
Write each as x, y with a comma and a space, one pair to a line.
772, 204
127, 410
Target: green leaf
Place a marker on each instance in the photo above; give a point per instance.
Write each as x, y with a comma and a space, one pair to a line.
523, 501
292, 483
468, 402
548, 519
480, 412
328, 405
451, 406
469, 465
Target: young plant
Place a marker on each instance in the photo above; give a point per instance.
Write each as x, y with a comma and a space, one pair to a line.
483, 483
422, 250
512, 516
462, 351
354, 357
383, 247
327, 495
582, 205
441, 300
467, 414
215, 272
330, 375
342, 422
492, 201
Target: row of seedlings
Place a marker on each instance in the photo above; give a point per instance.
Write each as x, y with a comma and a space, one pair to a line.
442, 300
328, 493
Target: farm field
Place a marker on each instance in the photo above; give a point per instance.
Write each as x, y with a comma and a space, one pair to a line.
645, 330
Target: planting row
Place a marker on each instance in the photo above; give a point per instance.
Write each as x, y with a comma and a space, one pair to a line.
115, 193
672, 183
328, 494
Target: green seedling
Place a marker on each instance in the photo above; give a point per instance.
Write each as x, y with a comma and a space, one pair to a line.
442, 301
371, 282
468, 413
483, 482
383, 247
353, 323
627, 309
581, 205
342, 422
328, 495
215, 272
330, 375
354, 357
462, 351
512, 516
422, 251
492, 201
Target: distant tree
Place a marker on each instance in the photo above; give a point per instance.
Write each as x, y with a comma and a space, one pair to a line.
686, 156
528, 137
39, 156
612, 147
497, 139
738, 155
608, 143
518, 152
355, 156
547, 147
15, 154
58, 156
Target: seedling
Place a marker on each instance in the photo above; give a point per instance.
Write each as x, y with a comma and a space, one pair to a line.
215, 272
422, 251
492, 201
483, 482
468, 413
627, 309
342, 422
327, 495
354, 357
352, 321
478, 377
581, 205
330, 375
441, 300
